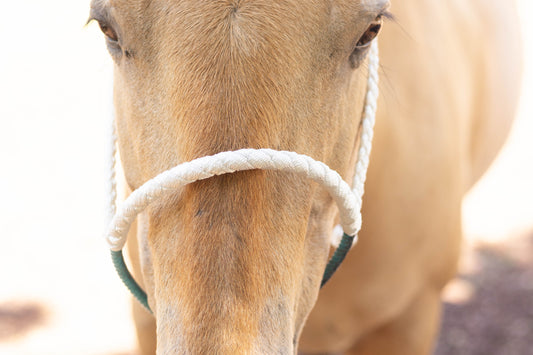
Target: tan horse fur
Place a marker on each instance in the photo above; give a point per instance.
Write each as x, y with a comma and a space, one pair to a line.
232, 265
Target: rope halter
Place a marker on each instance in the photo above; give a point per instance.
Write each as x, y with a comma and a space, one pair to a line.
348, 200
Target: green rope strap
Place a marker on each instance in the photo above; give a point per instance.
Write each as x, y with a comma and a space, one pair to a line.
140, 295
129, 281
337, 258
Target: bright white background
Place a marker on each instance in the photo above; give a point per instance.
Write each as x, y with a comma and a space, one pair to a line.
54, 87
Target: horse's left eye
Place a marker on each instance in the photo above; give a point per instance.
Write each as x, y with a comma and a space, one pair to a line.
108, 31
371, 33
364, 42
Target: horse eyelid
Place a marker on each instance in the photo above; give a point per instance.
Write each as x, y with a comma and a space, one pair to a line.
101, 16
95, 15
387, 15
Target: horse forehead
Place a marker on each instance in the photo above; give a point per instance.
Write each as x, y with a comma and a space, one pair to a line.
210, 19
159, 11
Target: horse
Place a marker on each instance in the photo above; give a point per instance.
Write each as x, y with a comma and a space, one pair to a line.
233, 264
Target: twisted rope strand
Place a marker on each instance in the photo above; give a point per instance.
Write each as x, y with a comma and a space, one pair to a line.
368, 122
111, 182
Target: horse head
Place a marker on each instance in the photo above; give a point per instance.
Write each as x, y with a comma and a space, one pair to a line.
233, 264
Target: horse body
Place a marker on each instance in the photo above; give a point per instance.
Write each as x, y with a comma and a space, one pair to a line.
232, 264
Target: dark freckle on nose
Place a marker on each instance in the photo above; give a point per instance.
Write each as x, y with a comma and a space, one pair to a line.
128, 53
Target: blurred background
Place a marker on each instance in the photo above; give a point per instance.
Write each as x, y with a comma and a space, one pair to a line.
58, 291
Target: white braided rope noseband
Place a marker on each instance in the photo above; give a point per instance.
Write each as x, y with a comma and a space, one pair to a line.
229, 162
348, 200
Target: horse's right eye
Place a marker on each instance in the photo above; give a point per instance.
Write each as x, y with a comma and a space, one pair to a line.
108, 31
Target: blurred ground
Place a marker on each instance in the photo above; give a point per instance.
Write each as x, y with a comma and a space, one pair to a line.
59, 294
492, 311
